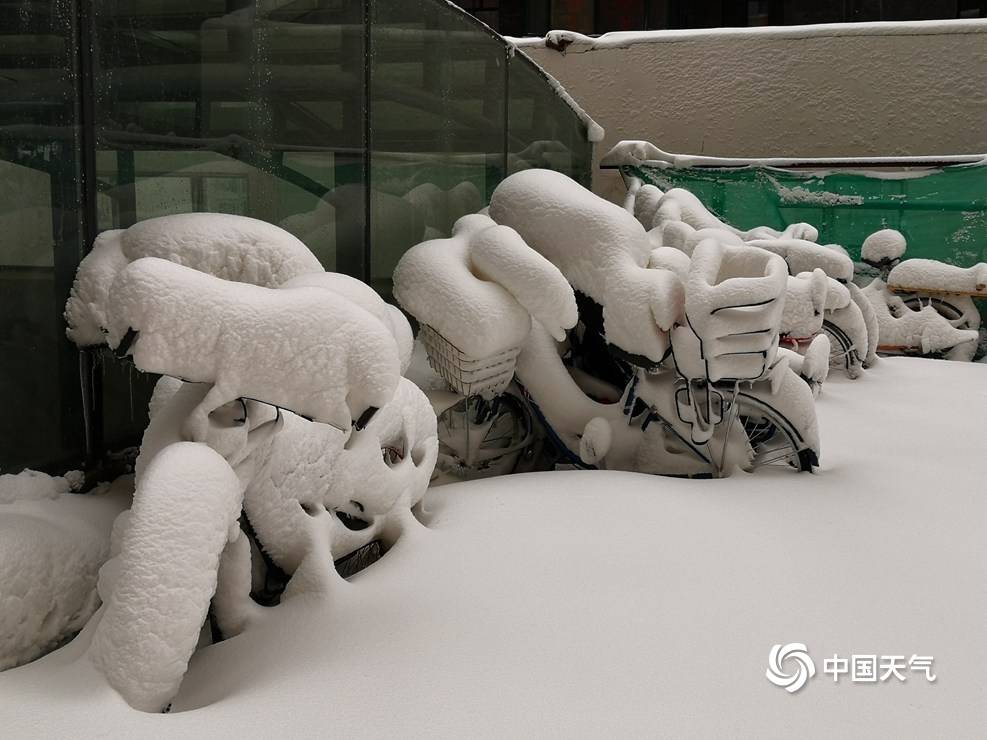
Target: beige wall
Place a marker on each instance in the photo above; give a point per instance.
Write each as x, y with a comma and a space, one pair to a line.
835, 90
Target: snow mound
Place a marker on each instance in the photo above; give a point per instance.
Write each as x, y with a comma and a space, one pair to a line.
366, 298
654, 597
236, 248
479, 288
938, 276
885, 245
579, 232
51, 548
602, 251
185, 511
680, 205
870, 322
671, 259
805, 256
805, 300
303, 349
231, 247
85, 310
31, 485
925, 328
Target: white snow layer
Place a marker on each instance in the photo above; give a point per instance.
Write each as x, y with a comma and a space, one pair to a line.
237, 248
680, 205
311, 470
805, 301
231, 247
805, 256
366, 298
938, 276
31, 485
636, 152
184, 512
574, 42
601, 249
480, 288
926, 328
52, 544
884, 245
85, 310
871, 324
304, 349
619, 605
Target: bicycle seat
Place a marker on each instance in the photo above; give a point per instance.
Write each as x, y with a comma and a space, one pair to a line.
916, 275
805, 256
883, 249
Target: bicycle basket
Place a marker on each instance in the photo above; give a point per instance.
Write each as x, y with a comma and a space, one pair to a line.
470, 376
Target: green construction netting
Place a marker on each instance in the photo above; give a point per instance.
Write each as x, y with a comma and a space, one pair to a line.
941, 212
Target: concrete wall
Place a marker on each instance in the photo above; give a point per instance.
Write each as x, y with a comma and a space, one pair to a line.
830, 90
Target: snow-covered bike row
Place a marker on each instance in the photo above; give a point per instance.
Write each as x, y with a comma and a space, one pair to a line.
629, 355
296, 423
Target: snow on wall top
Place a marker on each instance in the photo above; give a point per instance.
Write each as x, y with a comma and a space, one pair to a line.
634, 152
570, 41
837, 91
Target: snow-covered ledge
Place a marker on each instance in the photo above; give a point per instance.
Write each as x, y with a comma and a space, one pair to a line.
833, 90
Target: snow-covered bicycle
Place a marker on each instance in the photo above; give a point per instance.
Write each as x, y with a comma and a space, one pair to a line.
923, 307
626, 382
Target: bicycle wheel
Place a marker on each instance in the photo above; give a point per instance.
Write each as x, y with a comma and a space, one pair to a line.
775, 439
480, 439
842, 353
949, 310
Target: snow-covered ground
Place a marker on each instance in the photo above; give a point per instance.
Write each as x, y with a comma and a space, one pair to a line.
622, 605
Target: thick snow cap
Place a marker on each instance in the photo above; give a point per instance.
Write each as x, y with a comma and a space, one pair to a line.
85, 310
366, 298
579, 232
601, 249
313, 470
805, 256
938, 276
235, 248
480, 288
805, 301
882, 246
304, 349
184, 513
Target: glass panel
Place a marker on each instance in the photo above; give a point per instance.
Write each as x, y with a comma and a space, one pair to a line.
253, 108
543, 130
437, 121
41, 425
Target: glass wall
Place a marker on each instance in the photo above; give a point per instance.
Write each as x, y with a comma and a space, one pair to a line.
247, 108
542, 130
437, 123
40, 235
361, 126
